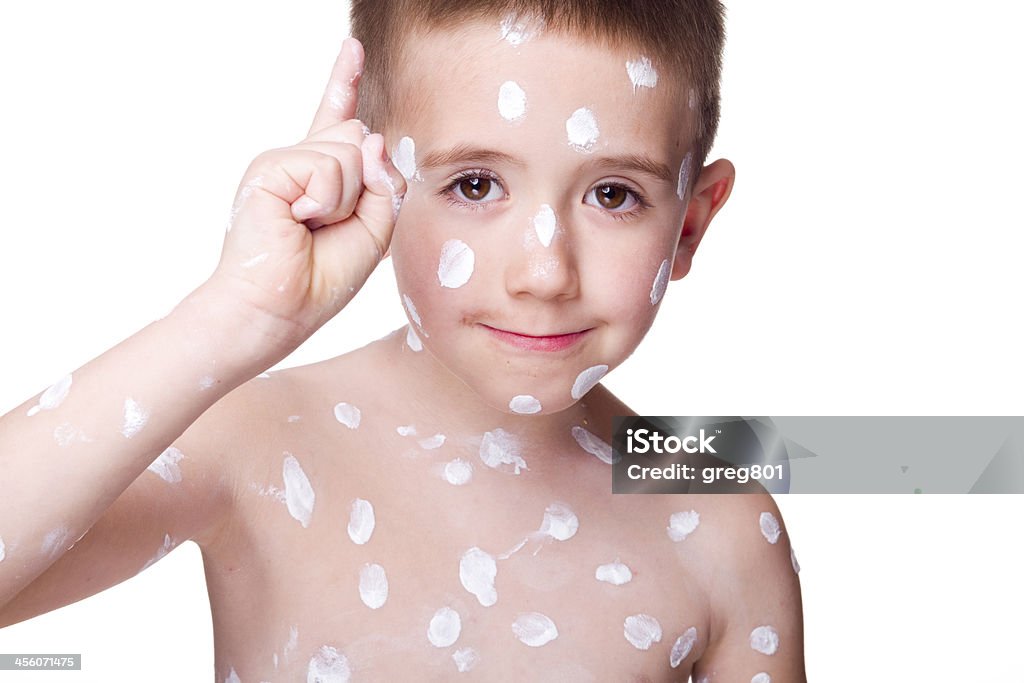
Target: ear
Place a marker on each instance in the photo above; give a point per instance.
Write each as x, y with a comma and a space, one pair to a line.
713, 187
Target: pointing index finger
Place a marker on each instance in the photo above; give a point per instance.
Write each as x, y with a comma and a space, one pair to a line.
342, 94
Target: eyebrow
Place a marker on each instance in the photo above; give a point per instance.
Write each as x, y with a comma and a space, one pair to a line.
463, 154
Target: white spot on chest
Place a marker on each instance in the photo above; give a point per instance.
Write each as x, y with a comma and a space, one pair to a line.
434, 442
373, 586
560, 522
642, 630
328, 666
477, 571
682, 647
582, 130
298, 493
361, 521
445, 627
348, 415
465, 659
458, 472
764, 639
455, 266
534, 629
511, 101
682, 524
593, 445
166, 465
499, 448
614, 573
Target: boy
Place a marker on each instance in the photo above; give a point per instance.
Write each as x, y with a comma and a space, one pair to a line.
436, 502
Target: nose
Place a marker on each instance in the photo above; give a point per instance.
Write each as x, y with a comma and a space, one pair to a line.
541, 262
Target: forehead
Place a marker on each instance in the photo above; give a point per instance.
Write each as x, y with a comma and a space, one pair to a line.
471, 82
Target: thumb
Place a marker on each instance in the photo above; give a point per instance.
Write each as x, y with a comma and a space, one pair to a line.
379, 204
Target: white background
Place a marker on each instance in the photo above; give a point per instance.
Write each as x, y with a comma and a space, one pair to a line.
868, 263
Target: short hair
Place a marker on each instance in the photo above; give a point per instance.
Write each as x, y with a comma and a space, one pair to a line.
686, 35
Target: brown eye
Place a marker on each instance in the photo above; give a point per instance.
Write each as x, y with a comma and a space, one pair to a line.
475, 189
611, 197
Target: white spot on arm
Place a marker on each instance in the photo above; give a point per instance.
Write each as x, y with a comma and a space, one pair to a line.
53, 396
432, 442
361, 521
458, 472
135, 418
465, 659
232, 677
406, 430
3, 549
761, 677
166, 465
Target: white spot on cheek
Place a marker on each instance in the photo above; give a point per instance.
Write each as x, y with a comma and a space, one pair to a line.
544, 224
501, 448
560, 522
770, 527
404, 159
761, 677
135, 418
298, 493
534, 629
456, 264
445, 627
477, 571
582, 130
642, 73
328, 666
764, 639
642, 630
684, 176
373, 586
614, 573
511, 101
53, 396
682, 647
587, 380
348, 415
465, 659
593, 445
412, 340
458, 472
660, 282
524, 404
166, 465
361, 521
682, 524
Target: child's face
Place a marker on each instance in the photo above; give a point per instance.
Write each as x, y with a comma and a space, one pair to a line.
540, 225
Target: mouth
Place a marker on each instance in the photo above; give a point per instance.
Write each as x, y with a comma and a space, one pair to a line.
532, 342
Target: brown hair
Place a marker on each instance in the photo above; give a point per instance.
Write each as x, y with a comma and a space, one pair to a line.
687, 35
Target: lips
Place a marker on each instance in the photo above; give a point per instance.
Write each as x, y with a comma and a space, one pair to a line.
529, 342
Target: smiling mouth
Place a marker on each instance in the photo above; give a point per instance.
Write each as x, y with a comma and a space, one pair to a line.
530, 342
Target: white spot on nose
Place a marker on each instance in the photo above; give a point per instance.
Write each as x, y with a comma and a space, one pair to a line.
544, 224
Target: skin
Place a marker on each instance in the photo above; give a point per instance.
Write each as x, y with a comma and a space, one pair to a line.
267, 574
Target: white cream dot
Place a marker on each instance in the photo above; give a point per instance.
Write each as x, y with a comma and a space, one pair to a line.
770, 528
348, 415
582, 130
660, 282
682, 524
511, 101
587, 380
534, 629
642, 631
524, 404
764, 639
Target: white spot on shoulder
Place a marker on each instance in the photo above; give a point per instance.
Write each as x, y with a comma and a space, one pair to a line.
587, 380
465, 659
499, 448
642, 630
328, 666
614, 573
593, 445
534, 629
582, 130
348, 415
560, 522
544, 224
642, 73
770, 528
53, 396
361, 521
458, 472
477, 571
660, 282
135, 418
764, 639
445, 627
682, 524
404, 159
682, 647
298, 492
524, 404
373, 586
455, 266
511, 101
166, 465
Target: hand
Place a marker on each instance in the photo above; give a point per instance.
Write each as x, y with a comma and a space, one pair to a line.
310, 222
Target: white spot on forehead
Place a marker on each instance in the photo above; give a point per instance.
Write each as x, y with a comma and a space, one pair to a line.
373, 586
477, 571
642, 73
465, 659
298, 493
764, 639
328, 666
445, 627
458, 472
361, 521
682, 524
614, 573
560, 522
135, 418
53, 396
682, 647
593, 445
499, 448
166, 465
534, 629
511, 101
582, 130
455, 266
404, 158
544, 224
412, 340
348, 415
232, 677
642, 630
770, 527
432, 442
761, 677
684, 176
587, 380
524, 404
660, 282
